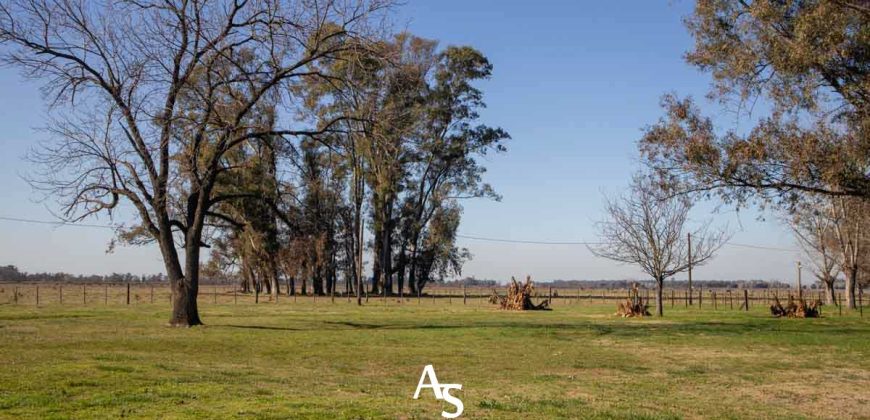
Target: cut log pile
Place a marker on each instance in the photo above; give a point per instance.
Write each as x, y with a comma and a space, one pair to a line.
519, 297
634, 306
796, 308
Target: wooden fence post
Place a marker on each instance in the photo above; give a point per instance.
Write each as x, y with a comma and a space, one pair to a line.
128, 293
152, 293
214, 295
700, 296
60, 292
84, 294
15, 295
256, 294
861, 300
746, 299
37, 295
105, 294
464, 294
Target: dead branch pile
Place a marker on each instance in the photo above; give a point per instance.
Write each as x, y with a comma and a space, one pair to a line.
519, 297
796, 308
634, 306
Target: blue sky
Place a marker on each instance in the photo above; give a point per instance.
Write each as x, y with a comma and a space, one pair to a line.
574, 83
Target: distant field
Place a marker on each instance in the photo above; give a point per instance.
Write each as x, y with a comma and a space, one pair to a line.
321, 360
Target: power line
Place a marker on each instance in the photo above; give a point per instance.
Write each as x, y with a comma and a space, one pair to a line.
54, 223
472, 237
517, 241
771, 248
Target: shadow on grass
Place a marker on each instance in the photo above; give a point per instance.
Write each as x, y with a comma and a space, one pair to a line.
261, 327
613, 327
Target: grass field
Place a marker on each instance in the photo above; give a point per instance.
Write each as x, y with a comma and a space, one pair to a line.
305, 360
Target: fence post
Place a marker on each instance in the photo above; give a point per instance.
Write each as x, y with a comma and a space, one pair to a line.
838, 298
214, 295
464, 294
746, 299
60, 291
235, 299
256, 294
700, 296
128, 293
550, 296
15, 295
84, 294
105, 294
37, 295
861, 300
152, 293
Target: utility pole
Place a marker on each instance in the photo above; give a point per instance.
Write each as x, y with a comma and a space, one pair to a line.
690, 269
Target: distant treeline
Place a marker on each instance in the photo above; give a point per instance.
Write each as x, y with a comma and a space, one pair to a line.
623, 284
10, 273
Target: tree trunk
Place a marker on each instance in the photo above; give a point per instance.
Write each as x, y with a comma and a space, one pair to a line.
185, 288
851, 281
400, 272
830, 292
273, 273
387, 254
376, 261
660, 285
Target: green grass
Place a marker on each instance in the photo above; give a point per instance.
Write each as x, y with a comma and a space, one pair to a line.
306, 360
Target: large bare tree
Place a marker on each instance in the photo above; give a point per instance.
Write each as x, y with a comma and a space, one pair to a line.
649, 230
114, 73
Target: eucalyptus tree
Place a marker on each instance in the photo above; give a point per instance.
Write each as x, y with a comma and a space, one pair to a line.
448, 145
114, 71
647, 229
809, 62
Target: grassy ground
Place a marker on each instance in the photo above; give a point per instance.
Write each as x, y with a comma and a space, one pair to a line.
306, 360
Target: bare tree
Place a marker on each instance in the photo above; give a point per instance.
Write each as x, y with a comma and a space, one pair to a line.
816, 230
847, 216
647, 230
114, 73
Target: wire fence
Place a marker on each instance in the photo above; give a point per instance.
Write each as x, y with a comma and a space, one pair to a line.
67, 294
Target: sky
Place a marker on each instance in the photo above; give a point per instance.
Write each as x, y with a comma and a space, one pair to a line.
574, 83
